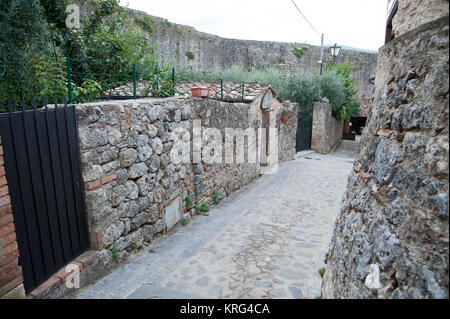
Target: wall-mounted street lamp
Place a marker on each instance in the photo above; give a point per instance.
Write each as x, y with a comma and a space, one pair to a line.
335, 49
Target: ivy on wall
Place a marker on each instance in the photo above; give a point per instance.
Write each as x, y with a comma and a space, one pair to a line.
298, 51
190, 55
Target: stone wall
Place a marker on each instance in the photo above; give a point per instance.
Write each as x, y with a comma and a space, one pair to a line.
213, 52
413, 13
327, 131
391, 236
222, 179
134, 192
10, 272
129, 180
288, 132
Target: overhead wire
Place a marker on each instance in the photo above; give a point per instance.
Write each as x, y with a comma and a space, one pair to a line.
304, 17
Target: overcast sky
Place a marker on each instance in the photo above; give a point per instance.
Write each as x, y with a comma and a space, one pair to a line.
353, 23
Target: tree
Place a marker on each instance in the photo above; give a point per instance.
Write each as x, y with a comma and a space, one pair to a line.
351, 104
22, 34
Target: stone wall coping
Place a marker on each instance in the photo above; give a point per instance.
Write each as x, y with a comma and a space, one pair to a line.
152, 100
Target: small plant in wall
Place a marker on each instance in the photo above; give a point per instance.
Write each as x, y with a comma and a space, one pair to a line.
298, 51
185, 222
190, 55
114, 253
284, 116
322, 272
189, 201
145, 23
216, 198
202, 209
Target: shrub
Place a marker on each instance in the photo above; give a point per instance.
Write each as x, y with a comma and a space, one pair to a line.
336, 83
145, 23
351, 105
89, 90
332, 88
161, 82
202, 209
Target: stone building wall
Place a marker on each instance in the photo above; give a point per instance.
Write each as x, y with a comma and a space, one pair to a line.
10, 272
327, 131
391, 238
413, 13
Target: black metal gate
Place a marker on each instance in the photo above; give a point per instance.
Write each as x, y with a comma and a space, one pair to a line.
42, 168
304, 129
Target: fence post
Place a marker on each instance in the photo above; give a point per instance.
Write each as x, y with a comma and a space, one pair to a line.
243, 88
69, 80
134, 81
221, 90
173, 75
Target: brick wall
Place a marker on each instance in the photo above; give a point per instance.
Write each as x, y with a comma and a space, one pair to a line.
10, 272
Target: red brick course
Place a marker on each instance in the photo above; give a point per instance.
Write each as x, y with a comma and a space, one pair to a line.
89, 186
10, 272
58, 280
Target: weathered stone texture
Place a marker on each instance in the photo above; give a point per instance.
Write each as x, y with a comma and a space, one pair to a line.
121, 150
327, 131
391, 236
413, 13
130, 177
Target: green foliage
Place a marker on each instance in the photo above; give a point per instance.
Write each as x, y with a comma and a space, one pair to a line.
300, 88
114, 253
146, 23
284, 113
202, 209
190, 55
332, 88
161, 83
189, 200
185, 222
109, 52
21, 36
322, 272
216, 198
205, 207
336, 84
89, 90
299, 52
34, 40
351, 104
48, 78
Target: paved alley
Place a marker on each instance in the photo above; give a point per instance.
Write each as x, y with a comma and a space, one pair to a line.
266, 241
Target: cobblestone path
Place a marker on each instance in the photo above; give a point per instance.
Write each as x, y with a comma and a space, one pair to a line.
267, 241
